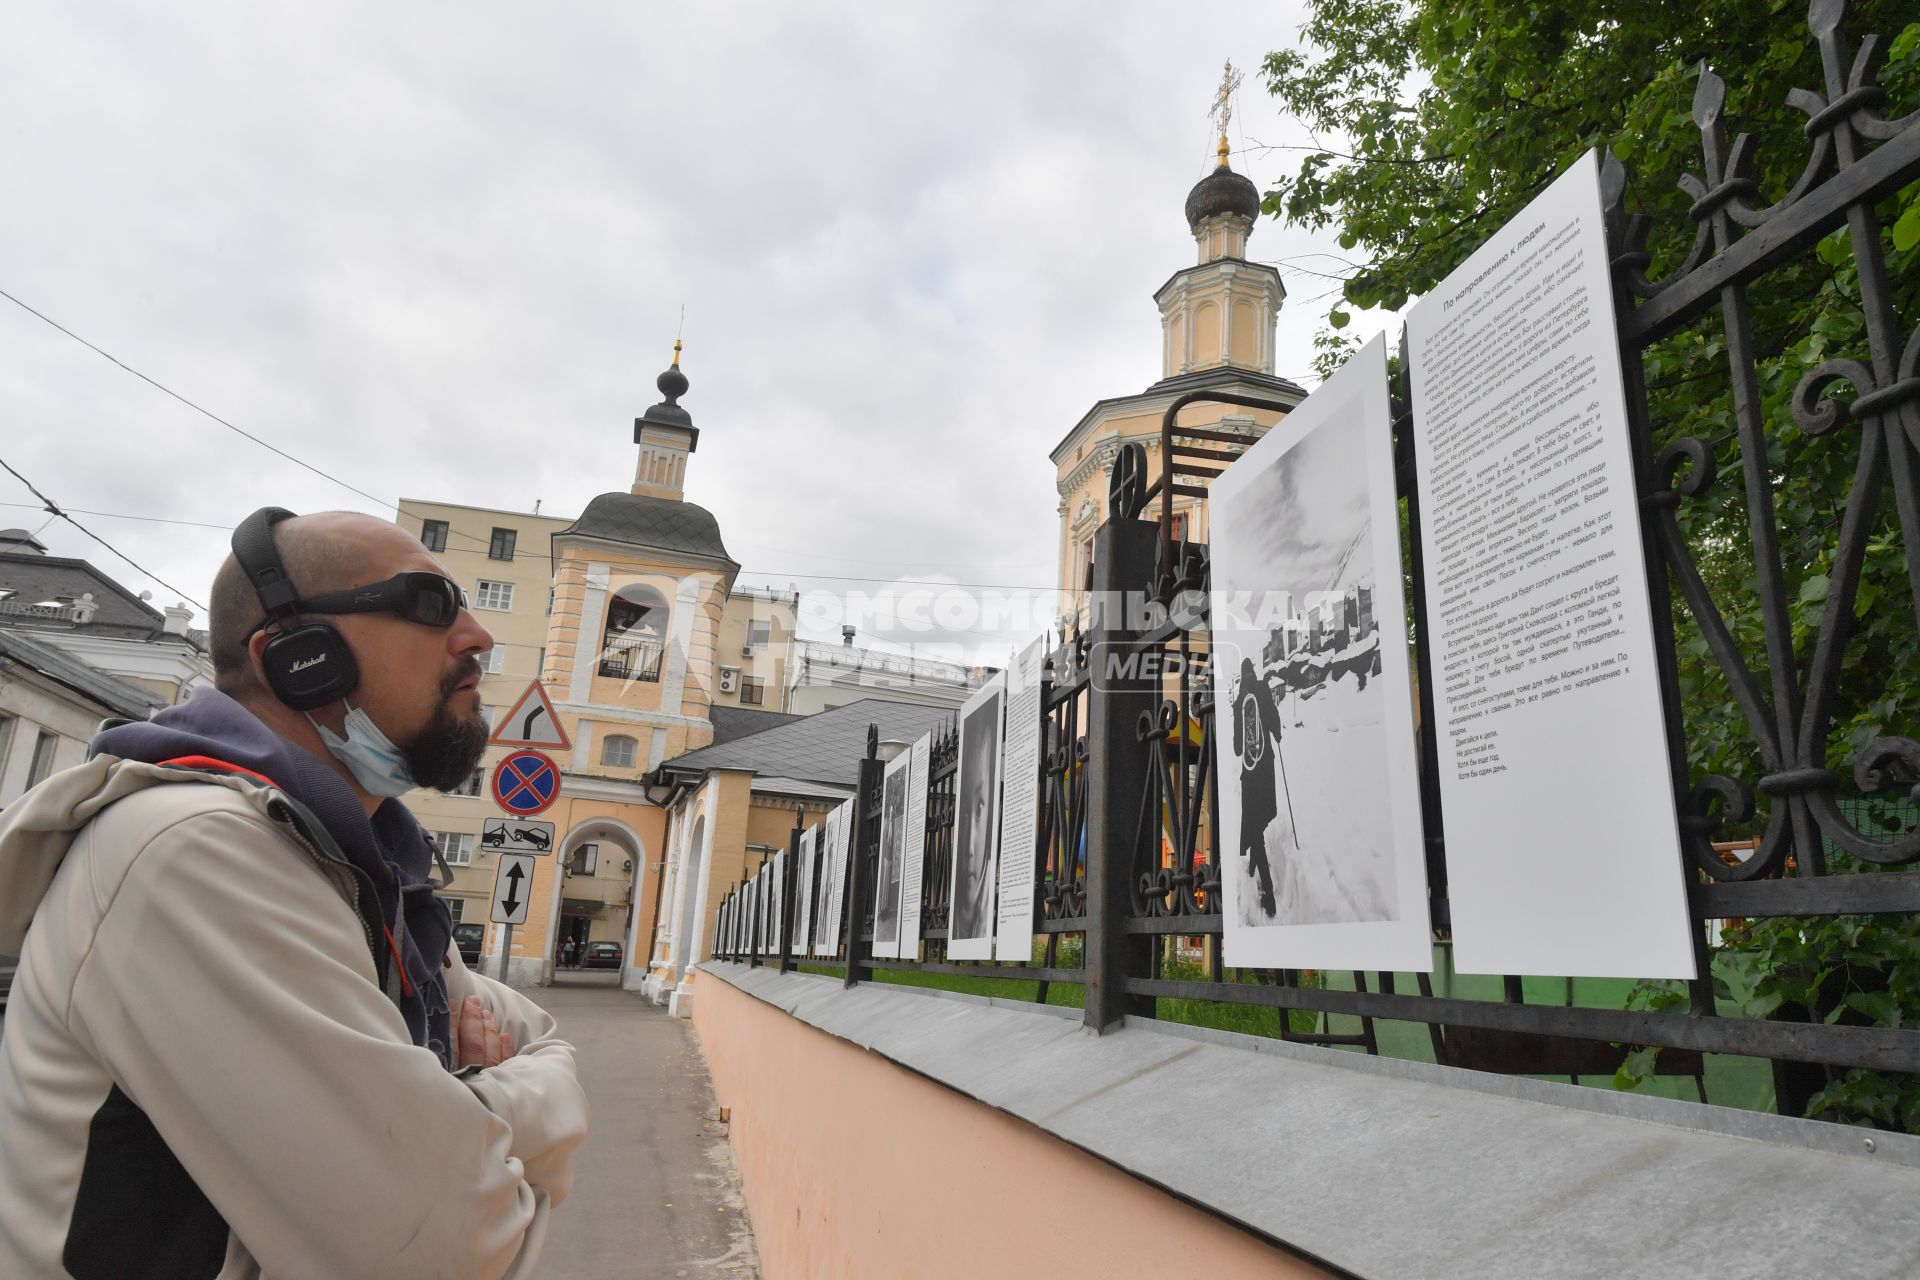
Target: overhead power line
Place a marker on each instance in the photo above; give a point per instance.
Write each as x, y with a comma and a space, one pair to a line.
51, 506
162, 387
794, 575
382, 502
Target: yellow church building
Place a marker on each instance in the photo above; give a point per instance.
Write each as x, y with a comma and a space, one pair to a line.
628, 618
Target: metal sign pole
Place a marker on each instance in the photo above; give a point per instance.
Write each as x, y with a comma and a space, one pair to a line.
506, 950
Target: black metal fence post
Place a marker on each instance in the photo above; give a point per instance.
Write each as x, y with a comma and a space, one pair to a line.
853, 914
1120, 692
789, 874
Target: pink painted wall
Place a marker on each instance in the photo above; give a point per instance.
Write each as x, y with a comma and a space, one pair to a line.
853, 1167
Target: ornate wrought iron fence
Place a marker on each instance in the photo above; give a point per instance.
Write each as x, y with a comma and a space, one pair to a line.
1127, 839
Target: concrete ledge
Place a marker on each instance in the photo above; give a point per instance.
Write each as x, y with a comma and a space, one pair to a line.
1393, 1169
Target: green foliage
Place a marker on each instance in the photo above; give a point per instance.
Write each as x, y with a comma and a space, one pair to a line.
1436, 122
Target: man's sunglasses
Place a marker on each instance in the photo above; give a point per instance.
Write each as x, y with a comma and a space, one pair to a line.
425, 598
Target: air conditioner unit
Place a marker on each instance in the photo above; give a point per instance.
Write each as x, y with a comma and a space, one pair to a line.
729, 679
746, 650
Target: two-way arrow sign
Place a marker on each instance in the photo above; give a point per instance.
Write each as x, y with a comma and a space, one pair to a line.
512, 888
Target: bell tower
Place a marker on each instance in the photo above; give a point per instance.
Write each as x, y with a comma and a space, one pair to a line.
1221, 312
667, 437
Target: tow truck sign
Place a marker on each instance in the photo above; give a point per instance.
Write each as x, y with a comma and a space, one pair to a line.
517, 835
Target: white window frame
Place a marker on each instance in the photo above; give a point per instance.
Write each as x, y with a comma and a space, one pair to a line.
473, 786
759, 633
629, 747
40, 765
497, 596
492, 659
455, 846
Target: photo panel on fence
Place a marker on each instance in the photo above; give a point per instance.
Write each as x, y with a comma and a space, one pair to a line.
841, 843
749, 913
777, 894
750, 919
1323, 861
887, 873
977, 823
766, 911
825, 939
803, 908
1541, 642
1020, 809
915, 845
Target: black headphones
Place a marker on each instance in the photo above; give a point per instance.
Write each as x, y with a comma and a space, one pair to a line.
308, 664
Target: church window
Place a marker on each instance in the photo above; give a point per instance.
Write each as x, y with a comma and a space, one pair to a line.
618, 751
636, 634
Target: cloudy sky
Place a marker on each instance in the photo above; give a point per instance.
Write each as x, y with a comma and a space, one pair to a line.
442, 250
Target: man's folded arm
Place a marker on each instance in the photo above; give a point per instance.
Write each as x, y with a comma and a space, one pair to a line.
537, 1091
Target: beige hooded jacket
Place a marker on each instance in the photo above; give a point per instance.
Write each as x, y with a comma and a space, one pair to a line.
200, 1073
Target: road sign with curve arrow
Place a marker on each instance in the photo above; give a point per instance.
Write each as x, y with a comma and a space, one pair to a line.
512, 887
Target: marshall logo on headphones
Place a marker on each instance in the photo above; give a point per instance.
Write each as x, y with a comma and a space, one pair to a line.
314, 661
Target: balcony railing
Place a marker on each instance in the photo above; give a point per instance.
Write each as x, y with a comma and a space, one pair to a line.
68, 613
623, 659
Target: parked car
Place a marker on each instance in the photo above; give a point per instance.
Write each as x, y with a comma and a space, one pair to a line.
468, 937
603, 955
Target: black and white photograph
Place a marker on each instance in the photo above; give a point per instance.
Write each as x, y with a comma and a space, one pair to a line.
804, 897
1311, 672
824, 940
893, 831
977, 824
913, 864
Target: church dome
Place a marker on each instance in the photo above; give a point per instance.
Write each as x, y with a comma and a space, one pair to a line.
668, 413
1222, 191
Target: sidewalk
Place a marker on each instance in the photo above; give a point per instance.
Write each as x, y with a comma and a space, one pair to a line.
655, 1193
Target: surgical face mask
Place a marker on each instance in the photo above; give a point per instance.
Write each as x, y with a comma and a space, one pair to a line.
375, 763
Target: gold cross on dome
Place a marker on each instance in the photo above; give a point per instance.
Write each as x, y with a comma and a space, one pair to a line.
1222, 109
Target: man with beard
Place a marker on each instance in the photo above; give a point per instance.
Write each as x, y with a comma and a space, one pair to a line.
240, 1039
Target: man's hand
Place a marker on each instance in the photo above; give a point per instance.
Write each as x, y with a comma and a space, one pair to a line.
478, 1042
